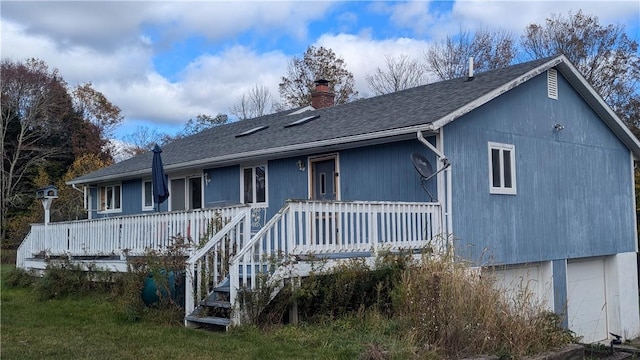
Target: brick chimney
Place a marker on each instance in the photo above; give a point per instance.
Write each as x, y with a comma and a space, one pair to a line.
322, 97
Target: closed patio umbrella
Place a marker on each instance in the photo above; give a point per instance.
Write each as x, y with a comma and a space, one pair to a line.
158, 178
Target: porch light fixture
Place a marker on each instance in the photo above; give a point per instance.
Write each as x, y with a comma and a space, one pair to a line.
207, 178
301, 165
558, 127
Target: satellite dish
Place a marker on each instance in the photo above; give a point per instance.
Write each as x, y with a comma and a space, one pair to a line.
422, 165
424, 168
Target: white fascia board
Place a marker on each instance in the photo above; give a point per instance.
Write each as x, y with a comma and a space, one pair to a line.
495, 93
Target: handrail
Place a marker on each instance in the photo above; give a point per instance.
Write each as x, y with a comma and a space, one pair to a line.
333, 228
216, 238
209, 265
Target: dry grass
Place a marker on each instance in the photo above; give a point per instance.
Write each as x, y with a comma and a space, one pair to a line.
459, 313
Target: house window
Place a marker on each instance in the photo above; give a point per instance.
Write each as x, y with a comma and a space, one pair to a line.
502, 168
110, 196
147, 195
254, 185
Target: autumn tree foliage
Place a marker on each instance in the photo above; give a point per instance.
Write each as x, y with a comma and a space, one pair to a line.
45, 126
316, 63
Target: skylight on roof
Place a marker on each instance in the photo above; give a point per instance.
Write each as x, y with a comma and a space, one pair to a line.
303, 120
251, 131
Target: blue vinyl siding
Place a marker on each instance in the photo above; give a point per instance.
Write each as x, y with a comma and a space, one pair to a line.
131, 197
224, 187
384, 173
286, 182
574, 187
130, 201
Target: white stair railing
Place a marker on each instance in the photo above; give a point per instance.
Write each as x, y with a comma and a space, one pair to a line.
208, 266
333, 228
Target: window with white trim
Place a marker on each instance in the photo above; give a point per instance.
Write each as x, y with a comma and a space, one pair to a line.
147, 195
502, 168
110, 198
254, 185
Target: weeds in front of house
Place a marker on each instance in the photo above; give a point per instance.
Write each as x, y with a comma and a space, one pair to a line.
432, 306
153, 286
395, 307
460, 313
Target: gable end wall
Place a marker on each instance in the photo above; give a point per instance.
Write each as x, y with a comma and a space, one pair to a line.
574, 186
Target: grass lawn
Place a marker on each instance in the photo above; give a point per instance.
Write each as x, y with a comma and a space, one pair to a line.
90, 328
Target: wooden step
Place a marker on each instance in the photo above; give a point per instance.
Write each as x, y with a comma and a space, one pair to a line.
216, 303
209, 320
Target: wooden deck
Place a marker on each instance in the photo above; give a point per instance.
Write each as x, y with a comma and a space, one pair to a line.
225, 249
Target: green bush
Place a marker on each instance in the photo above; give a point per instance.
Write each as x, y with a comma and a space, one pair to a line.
20, 278
62, 279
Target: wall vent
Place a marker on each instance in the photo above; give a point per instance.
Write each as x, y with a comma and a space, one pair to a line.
552, 84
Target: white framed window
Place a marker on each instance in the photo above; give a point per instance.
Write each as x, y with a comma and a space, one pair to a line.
502, 168
147, 195
253, 180
110, 198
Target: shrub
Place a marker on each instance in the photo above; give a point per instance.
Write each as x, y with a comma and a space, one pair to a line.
62, 279
20, 278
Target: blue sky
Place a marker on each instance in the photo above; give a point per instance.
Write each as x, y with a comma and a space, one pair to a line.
165, 62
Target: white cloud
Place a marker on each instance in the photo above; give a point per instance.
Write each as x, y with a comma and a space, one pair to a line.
117, 45
363, 55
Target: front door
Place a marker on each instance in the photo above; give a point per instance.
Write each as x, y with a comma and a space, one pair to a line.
323, 173
324, 187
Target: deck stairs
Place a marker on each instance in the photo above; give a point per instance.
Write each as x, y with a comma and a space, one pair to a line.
302, 235
213, 312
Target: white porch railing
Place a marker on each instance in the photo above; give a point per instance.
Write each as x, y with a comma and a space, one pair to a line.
334, 228
118, 236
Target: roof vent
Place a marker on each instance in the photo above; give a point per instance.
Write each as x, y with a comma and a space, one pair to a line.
552, 84
470, 68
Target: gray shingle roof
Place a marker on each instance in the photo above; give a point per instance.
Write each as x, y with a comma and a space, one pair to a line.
381, 116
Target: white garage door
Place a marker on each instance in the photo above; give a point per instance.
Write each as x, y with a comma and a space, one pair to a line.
586, 299
528, 280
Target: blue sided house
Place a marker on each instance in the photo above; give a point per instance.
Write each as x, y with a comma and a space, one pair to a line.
524, 169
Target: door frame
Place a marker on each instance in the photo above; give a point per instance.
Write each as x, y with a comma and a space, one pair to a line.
336, 178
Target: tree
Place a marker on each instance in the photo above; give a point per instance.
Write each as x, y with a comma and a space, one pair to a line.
34, 104
201, 122
257, 102
401, 73
317, 63
490, 50
605, 55
96, 108
45, 127
142, 140
70, 204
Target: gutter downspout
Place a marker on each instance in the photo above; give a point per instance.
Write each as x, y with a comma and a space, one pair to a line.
446, 166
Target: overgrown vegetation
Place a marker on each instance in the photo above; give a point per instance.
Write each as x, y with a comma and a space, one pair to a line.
434, 306
395, 307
